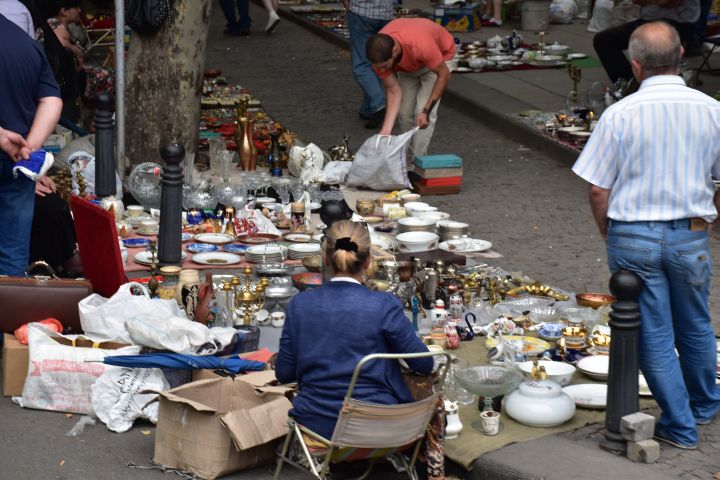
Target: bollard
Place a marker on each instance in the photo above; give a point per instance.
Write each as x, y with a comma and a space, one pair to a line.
105, 164
622, 396
171, 181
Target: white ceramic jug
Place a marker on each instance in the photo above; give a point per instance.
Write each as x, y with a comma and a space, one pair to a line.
453, 425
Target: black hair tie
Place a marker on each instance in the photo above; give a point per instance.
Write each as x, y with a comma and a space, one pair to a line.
346, 244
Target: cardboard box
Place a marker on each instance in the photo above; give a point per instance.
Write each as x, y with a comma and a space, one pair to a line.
15, 360
218, 426
459, 19
441, 182
438, 172
447, 160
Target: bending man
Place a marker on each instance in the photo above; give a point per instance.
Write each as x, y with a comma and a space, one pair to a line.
409, 56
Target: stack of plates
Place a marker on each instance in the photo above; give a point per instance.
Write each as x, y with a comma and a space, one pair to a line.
595, 366
416, 224
266, 254
565, 133
301, 250
449, 229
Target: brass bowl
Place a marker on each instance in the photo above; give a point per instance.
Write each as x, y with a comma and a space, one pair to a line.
377, 285
313, 263
593, 300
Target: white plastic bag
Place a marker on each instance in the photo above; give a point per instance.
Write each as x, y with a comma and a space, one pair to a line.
563, 11
104, 319
83, 163
381, 163
625, 12
178, 334
60, 376
336, 172
118, 400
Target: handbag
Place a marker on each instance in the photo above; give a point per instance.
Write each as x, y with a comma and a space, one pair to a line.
38, 297
146, 16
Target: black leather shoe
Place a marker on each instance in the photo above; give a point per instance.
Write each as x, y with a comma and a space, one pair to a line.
375, 120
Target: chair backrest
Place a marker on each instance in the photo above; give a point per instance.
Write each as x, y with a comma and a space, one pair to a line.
365, 425
99, 248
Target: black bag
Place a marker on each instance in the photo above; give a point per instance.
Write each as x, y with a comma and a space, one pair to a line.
146, 16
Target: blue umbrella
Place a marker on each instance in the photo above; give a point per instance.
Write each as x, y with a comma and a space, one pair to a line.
182, 361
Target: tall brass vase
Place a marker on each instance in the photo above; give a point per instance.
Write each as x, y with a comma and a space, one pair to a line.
246, 146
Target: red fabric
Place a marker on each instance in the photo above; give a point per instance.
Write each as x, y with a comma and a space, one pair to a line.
99, 247
53, 324
263, 355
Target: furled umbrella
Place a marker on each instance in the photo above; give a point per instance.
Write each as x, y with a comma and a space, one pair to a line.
180, 361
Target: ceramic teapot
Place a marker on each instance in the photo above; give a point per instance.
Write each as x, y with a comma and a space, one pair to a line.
114, 206
540, 403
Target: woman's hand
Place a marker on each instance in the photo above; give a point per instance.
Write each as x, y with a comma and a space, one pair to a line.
44, 186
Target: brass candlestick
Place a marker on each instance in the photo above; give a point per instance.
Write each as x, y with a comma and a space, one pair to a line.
247, 298
153, 284
541, 44
575, 74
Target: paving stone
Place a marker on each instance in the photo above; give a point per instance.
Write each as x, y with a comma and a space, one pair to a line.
637, 427
643, 451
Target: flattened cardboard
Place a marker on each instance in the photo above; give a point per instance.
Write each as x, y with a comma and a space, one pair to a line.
15, 361
218, 426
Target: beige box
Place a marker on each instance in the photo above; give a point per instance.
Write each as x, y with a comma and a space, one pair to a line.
15, 360
218, 426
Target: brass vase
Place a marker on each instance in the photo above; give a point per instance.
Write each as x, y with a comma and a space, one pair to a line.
246, 146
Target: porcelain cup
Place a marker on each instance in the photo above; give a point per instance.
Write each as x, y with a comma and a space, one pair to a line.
277, 319
490, 422
135, 210
149, 226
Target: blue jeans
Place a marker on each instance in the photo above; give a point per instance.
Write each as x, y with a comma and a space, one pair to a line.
17, 202
675, 265
361, 28
235, 24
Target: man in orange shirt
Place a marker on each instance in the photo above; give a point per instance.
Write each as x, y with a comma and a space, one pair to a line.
409, 56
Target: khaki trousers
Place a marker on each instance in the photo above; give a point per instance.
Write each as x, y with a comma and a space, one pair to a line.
416, 89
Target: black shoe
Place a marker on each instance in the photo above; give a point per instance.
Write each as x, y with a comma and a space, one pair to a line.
376, 119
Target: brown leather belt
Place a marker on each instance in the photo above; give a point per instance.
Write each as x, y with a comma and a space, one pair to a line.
698, 224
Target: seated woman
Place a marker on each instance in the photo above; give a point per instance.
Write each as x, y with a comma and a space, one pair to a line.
328, 331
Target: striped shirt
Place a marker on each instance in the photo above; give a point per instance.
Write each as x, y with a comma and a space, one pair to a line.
655, 151
375, 9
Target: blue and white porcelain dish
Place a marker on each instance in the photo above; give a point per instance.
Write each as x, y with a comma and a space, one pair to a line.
185, 237
201, 247
135, 242
235, 248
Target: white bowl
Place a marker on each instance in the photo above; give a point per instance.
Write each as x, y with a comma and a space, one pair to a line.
558, 372
453, 225
417, 241
416, 222
548, 59
435, 215
557, 49
477, 63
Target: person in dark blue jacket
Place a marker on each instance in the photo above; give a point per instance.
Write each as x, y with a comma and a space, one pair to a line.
328, 331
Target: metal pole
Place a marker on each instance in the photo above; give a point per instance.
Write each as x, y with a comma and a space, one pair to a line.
120, 85
104, 151
622, 396
169, 236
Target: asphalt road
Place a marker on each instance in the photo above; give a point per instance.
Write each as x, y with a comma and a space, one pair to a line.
531, 206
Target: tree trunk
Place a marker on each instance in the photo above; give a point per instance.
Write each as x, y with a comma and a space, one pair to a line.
164, 82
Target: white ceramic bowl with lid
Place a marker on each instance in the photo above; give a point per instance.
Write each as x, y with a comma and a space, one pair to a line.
540, 404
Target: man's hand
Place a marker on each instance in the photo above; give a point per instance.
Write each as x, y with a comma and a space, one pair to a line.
422, 120
14, 145
44, 186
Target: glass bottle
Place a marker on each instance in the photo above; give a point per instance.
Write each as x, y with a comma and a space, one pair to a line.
274, 158
168, 287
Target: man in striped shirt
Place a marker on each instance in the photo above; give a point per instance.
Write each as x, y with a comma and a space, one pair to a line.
649, 164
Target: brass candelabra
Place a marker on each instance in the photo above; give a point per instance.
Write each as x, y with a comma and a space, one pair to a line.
575, 74
245, 298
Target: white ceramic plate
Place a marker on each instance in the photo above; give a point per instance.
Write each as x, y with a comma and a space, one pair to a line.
575, 56
214, 238
216, 258
298, 237
588, 395
595, 366
304, 248
260, 250
144, 258
466, 245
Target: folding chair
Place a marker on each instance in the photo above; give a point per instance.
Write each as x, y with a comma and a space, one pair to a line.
715, 42
365, 431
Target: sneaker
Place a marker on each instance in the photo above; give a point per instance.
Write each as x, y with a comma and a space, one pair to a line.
376, 119
273, 20
705, 421
674, 443
494, 22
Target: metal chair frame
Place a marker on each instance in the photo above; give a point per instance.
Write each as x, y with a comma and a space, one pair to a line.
320, 470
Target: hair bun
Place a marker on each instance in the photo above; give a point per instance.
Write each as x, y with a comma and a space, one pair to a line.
346, 244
